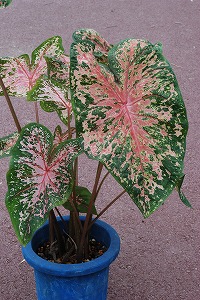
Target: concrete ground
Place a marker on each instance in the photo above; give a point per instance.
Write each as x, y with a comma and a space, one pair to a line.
160, 256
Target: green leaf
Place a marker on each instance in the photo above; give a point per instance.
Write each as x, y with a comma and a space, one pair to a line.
181, 195
19, 74
7, 143
39, 178
5, 3
131, 116
83, 196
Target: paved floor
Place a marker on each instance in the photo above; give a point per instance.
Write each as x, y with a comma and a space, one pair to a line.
160, 257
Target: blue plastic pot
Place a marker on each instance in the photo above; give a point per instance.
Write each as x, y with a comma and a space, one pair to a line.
86, 281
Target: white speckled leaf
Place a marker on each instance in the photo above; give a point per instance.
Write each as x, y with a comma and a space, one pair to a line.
58, 69
7, 143
39, 178
53, 91
101, 46
60, 136
52, 96
19, 74
131, 116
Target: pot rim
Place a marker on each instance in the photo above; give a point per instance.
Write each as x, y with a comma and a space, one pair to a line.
70, 270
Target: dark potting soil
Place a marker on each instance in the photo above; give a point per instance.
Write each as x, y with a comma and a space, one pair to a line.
51, 253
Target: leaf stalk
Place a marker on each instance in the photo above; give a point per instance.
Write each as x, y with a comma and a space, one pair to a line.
10, 105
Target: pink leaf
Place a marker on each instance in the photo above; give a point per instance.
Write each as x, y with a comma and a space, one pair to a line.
39, 178
131, 116
19, 74
53, 92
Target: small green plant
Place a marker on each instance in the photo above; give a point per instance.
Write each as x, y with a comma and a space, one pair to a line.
4, 3
129, 116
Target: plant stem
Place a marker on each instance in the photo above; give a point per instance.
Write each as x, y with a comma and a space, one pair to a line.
10, 105
102, 181
63, 221
76, 160
59, 236
69, 125
36, 112
76, 171
76, 213
75, 225
106, 208
89, 213
94, 194
51, 229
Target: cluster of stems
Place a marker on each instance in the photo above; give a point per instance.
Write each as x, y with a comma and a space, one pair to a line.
78, 231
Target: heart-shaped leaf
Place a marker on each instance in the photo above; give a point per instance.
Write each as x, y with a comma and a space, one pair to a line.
39, 178
19, 74
83, 197
52, 97
7, 143
101, 46
53, 91
131, 116
60, 136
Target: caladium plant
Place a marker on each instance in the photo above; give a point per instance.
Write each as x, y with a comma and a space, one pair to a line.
129, 115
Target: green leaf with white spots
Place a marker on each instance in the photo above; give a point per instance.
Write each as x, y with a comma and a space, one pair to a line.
7, 143
39, 178
131, 116
20, 74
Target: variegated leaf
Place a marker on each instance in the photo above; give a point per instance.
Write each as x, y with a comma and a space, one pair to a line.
58, 69
101, 46
132, 117
60, 136
38, 179
52, 92
52, 96
19, 74
4, 3
7, 143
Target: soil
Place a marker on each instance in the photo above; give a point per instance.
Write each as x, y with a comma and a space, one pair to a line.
50, 252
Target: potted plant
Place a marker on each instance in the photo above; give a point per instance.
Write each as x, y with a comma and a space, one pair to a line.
121, 106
